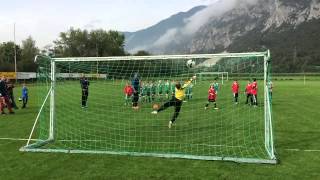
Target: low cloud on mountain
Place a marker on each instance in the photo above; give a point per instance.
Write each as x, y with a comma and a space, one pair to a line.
195, 22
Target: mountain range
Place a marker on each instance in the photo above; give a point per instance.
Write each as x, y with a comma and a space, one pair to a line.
289, 28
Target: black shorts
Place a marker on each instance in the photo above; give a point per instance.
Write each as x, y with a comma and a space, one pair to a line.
85, 92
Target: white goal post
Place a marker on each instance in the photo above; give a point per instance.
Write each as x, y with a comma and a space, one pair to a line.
107, 126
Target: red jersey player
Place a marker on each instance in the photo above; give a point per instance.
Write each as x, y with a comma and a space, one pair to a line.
248, 92
211, 98
254, 92
235, 90
128, 91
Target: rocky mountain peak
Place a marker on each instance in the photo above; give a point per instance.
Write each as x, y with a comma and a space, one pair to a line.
238, 26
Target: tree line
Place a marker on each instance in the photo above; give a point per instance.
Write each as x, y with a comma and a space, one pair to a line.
72, 43
24, 54
293, 50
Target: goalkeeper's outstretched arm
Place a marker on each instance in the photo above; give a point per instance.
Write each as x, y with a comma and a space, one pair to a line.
189, 82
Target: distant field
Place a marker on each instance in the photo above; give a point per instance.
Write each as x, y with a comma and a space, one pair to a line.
295, 112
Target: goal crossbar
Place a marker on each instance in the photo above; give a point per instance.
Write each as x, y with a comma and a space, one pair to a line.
160, 57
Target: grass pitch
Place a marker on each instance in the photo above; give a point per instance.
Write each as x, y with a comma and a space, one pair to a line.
235, 130
295, 111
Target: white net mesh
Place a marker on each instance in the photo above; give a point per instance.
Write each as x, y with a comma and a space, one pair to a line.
107, 123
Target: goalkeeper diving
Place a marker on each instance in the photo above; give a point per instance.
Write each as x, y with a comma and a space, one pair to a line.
176, 101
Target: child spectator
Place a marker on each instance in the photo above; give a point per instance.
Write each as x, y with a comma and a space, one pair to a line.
24, 96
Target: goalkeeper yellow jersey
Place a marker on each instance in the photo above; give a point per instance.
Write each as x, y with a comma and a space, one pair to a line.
179, 94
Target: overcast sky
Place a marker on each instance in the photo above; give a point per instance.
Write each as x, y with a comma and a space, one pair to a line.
44, 19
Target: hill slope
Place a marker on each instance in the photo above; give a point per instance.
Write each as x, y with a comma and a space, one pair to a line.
288, 27
143, 39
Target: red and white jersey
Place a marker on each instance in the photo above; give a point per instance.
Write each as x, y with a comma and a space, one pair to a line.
211, 94
235, 87
248, 88
254, 89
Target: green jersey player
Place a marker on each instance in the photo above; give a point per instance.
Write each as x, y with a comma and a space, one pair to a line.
167, 89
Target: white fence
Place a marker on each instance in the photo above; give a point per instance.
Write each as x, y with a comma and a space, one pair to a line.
26, 75
33, 75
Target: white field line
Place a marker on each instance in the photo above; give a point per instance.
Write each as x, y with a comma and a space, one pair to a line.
16, 139
24, 139
305, 150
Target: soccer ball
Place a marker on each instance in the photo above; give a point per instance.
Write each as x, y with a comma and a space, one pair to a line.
155, 107
190, 63
20, 99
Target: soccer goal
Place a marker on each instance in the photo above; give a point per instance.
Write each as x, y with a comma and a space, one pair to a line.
108, 124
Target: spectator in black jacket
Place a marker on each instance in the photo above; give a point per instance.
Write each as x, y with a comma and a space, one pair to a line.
4, 96
10, 87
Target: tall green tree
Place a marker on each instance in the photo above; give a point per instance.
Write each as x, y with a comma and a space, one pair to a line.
81, 43
28, 52
7, 56
142, 53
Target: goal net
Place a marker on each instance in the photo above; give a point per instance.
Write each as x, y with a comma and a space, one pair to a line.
83, 107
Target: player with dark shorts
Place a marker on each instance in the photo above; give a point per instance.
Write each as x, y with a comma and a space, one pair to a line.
136, 90
24, 95
176, 101
248, 92
85, 91
211, 97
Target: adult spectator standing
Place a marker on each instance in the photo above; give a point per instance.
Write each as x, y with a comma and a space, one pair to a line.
10, 87
4, 96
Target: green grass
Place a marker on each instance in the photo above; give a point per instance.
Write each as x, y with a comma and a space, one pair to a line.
295, 111
107, 125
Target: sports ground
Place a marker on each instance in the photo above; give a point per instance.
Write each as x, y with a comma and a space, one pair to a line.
295, 121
